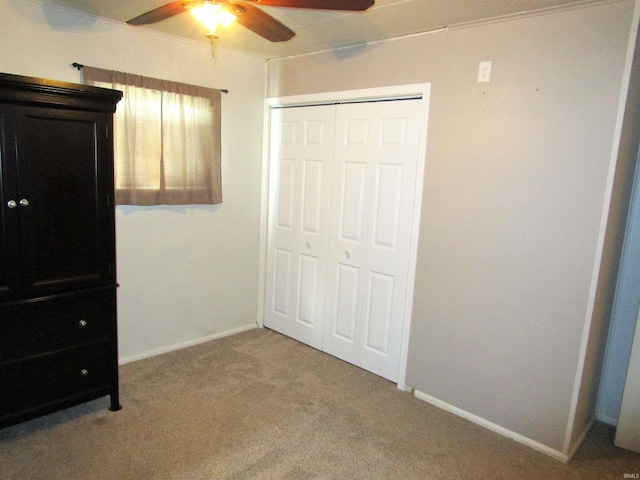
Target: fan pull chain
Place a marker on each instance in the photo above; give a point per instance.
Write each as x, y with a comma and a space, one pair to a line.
212, 38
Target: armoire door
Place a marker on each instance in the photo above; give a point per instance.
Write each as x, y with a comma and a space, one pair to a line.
342, 192
299, 196
9, 223
63, 199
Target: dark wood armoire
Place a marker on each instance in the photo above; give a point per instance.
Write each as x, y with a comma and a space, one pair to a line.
58, 333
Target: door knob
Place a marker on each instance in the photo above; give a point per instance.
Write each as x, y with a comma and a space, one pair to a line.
12, 204
24, 202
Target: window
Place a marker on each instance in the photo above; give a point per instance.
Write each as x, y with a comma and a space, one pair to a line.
166, 140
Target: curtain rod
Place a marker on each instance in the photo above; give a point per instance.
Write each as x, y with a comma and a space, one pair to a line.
79, 66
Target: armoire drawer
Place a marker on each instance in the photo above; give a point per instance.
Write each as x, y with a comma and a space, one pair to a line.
53, 378
53, 323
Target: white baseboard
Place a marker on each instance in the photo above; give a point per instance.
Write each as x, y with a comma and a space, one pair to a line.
178, 346
580, 439
558, 455
607, 419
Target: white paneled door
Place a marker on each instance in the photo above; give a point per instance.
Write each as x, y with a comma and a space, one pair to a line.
374, 176
342, 194
301, 156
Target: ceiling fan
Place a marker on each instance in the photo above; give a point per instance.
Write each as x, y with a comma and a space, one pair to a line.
214, 12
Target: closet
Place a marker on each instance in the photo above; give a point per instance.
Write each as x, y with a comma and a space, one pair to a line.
342, 189
58, 341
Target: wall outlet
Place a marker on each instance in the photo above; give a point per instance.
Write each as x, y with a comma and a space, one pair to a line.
484, 72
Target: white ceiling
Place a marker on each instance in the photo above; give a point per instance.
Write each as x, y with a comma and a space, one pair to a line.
318, 30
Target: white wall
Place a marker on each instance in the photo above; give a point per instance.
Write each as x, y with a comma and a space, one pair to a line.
186, 273
518, 176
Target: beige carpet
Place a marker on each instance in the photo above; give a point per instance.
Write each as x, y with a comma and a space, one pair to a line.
258, 405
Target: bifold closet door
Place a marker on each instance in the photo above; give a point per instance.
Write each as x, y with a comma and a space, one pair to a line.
374, 179
299, 195
341, 201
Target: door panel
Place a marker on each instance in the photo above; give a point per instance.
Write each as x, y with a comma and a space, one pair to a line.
286, 203
346, 304
375, 164
312, 196
386, 214
307, 290
299, 191
353, 200
379, 311
282, 282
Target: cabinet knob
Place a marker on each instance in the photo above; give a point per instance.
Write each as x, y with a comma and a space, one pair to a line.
82, 323
12, 204
24, 202
84, 372
308, 245
347, 253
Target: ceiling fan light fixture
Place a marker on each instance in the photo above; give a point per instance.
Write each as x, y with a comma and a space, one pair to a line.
212, 14
215, 12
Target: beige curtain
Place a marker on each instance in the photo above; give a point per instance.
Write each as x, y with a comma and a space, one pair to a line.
167, 140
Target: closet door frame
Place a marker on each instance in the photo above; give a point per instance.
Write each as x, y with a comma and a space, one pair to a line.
421, 91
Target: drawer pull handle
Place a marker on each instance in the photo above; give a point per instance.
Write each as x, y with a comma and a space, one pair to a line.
84, 372
82, 323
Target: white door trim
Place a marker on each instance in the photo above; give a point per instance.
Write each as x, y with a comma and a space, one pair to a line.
422, 91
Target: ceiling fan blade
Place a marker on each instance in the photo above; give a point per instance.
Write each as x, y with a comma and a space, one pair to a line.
161, 13
351, 5
259, 22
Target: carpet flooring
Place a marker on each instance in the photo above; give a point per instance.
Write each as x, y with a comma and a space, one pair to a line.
258, 405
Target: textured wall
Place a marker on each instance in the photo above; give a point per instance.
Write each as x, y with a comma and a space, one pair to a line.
515, 187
